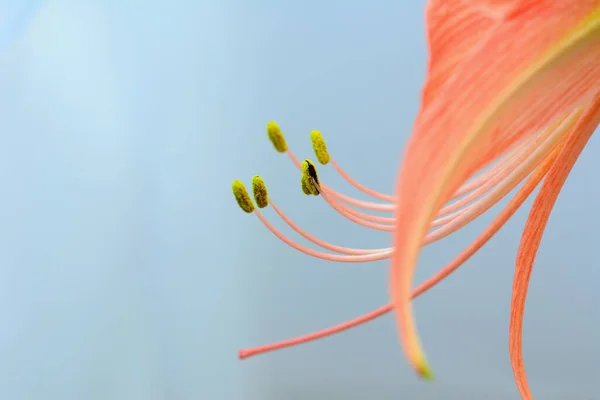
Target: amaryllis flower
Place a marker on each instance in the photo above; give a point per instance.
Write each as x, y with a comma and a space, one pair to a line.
512, 96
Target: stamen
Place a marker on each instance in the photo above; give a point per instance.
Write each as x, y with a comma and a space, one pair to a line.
350, 200
322, 243
459, 218
259, 189
362, 258
306, 182
521, 165
276, 137
343, 210
522, 194
242, 197
365, 217
319, 142
359, 186
547, 152
260, 194
308, 168
309, 175
319, 147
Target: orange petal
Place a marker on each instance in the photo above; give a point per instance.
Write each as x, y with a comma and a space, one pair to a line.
541, 64
504, 8
534, 229
454, 28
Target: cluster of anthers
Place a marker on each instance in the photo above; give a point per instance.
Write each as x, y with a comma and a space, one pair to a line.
469, 201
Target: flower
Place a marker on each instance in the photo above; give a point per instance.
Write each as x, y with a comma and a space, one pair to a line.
512, 94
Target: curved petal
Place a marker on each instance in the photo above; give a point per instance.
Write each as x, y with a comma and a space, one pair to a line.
540, 65
454, 28
505, 9
534, 229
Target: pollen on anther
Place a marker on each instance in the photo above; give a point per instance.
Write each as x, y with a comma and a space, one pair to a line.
308, 168
276, 137
259, 189
308, 186
320, 147
305, 188
242, 197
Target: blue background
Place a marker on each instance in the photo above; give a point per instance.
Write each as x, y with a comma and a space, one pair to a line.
128, 272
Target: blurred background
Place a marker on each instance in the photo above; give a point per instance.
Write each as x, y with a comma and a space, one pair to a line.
128, 272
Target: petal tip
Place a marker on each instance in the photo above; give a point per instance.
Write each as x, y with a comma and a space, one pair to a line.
425, 371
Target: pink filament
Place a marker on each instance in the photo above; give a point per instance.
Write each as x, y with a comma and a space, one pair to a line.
488, 233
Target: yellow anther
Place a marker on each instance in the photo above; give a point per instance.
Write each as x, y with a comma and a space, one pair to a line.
276, 137
308, 168
242, 197
319, 147
308, 187
309, 178
259, 189
305, 188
